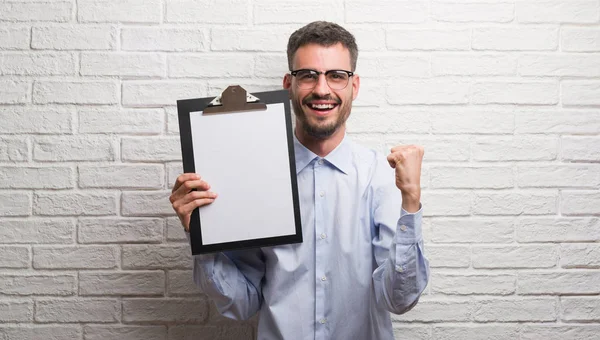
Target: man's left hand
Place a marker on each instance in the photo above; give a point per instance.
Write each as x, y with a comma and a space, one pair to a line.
407, 160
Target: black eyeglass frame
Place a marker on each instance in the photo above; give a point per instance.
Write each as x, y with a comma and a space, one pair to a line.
349, 73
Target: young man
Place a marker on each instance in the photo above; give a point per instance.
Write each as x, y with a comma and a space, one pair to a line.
362, 255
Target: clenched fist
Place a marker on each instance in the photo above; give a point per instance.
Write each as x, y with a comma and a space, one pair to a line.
407, 160
189, 193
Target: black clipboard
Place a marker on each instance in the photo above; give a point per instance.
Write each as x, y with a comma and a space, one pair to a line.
237, 104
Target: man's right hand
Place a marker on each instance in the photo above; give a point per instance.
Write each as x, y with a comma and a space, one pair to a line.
185, 199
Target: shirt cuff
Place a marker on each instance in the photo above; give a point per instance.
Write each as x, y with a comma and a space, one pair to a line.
408, 230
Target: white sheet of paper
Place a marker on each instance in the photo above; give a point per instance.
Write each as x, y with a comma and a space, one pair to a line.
244, 157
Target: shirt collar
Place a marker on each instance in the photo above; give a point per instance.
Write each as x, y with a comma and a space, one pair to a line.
340, 157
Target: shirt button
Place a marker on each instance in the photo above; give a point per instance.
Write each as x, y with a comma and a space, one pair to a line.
399, 269
320, 162
323, 236
322, 193
323, 321
323, 278
403, 227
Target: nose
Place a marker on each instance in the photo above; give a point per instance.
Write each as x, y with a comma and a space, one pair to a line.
322, 88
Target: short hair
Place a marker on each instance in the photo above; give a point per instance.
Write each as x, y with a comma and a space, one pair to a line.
325, 34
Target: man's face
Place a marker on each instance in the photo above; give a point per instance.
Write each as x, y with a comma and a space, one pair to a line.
321, 111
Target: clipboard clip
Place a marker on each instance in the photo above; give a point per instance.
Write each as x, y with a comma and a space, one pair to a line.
234, 99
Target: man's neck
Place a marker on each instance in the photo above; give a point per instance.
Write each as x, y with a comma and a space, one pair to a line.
321, 147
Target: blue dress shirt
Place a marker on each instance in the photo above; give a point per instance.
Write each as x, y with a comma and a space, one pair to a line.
362, 256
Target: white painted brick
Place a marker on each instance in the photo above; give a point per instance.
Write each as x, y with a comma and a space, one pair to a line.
375, 141
470, 230
118, 332
392, 120
439, 149
580, 39
181, 282
532, 93
473, 122
522, 256
77, 310
580, 202
430, 310
73, 148
250, 39
74, 203
14, 257
177, 256
581, 256
227, 12
462, 64
35, 120
75, 92
580, 308
517, 148
394, 66
475, 332
149, 176
427, 92
559, 176
471, 177
128, 11
580, 148
455, 203
369, 38
163, 39
558, 229
165, 310
429, 39
173, 171
14, 149
14, 92
472, 12
35, 231
372, 93
578, 93
292, 12
74, 257
36, 177
184, 332
114, 120
36, 11
152, 203
151, 149
155, 93
37, 64
16, 311
74, 37
555, 121
559, 283
216, 86
559, 332
516, 310
15, 203
515, 39
111, 230
449, 256
411, 332
14, 38
210, 66
175, 231
23, 285
35, 332
469, 284
123, 64
122, 283
270, 66
515, 203
558, 11
574, 65
385, 12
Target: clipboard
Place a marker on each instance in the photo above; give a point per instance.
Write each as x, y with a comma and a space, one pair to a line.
242, 145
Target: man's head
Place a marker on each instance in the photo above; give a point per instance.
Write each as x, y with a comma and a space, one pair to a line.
322, 58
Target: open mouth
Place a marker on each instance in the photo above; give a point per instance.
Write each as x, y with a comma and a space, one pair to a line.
321, 107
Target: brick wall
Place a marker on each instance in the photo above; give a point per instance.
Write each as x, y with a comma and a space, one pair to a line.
503, 94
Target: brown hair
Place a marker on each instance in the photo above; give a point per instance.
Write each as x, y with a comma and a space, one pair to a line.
325, 34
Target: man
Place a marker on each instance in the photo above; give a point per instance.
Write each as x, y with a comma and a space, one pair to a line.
362, 255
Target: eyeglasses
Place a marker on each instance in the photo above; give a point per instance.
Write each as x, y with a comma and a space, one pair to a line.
308, 79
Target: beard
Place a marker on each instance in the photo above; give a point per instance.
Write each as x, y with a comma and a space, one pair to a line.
324, 130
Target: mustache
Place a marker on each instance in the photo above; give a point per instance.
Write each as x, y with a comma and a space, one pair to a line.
312, 97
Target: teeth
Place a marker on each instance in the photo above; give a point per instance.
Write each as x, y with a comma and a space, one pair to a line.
322, 106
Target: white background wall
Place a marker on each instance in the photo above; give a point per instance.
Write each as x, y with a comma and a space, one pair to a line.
503, 94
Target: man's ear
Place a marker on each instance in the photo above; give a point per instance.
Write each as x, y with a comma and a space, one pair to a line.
355, 86
287, 81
